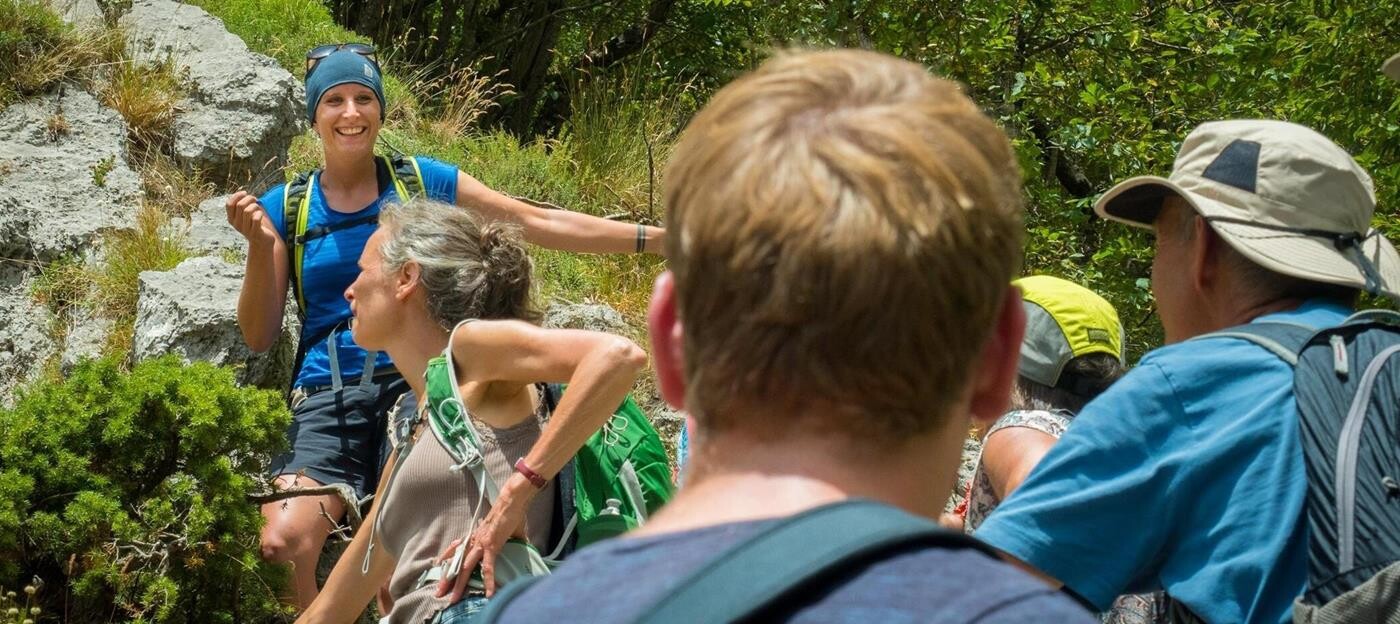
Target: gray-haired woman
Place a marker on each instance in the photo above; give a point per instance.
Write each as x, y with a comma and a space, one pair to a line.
428, 274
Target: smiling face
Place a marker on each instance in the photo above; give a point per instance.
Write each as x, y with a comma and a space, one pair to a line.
347, 119
373, 297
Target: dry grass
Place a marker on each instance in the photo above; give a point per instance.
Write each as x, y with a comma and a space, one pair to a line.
461, 99
151, 246
619, 137
57, 127
176, 191
38, 49
146, 96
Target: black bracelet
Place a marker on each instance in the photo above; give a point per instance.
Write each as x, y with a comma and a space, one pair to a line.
641, 238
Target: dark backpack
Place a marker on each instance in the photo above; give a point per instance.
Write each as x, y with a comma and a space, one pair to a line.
1347, 386
773, 568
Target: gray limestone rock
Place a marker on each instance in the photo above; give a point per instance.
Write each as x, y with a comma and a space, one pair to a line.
209, 231
192, 311
87, 335
243, 109
64, 175
590, 316
80, 12
24, 332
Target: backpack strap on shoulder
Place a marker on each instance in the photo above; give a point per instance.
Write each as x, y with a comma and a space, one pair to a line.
1285, 340
793, 554
296, 205
408, 177
1384, 317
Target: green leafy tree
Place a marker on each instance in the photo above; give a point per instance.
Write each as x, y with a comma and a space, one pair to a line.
128, 490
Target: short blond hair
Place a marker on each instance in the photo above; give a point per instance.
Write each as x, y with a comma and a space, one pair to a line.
842, 228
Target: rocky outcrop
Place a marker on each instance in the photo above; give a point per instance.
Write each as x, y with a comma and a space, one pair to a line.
25, 340
64, 176
209, 231
192, 311
243, 109
590, 316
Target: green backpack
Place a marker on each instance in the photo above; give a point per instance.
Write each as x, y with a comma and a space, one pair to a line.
613, 484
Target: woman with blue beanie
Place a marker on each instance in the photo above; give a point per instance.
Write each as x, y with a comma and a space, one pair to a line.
310, 233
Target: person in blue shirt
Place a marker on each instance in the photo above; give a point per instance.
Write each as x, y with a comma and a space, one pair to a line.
1187, 475
342, 393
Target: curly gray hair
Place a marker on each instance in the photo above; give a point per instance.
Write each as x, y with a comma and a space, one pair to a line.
470, 269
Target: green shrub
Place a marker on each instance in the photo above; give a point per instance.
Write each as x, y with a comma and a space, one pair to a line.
126, 493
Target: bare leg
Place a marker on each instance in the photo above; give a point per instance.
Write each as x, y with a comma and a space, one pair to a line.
295, 532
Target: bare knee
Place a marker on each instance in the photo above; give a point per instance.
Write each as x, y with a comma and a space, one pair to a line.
290, 541
297, 530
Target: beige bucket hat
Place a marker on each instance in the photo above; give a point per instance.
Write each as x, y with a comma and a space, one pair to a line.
1392, 67
1283, 195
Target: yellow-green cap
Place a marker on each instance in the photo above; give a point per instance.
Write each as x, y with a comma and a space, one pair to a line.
1063, 321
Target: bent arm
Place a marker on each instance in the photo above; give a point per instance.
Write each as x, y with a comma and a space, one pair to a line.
1009, 455
347, 590
264, 292
599, 368
564, 230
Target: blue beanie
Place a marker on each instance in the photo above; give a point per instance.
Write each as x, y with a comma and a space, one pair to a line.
342, 67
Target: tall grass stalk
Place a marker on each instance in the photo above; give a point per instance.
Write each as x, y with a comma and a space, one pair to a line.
619, 137
151, 246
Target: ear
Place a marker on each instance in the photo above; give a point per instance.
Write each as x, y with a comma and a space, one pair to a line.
1205, 252
1000, 357
407, 280
667, 348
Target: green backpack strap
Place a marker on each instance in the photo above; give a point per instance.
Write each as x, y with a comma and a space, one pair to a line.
795, 553
408, 178
296, 205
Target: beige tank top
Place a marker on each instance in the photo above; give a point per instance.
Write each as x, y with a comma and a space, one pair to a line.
427, 506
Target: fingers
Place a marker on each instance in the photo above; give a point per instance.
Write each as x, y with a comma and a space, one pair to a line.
449, 551
474, 556
488, 571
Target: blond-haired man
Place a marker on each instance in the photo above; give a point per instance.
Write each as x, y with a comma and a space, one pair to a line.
844, 230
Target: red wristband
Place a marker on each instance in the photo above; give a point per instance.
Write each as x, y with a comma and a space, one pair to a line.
534, 477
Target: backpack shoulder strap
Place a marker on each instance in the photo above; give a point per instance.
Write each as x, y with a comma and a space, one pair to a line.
1384, 317
408, 177
795, 553
1282, 339
296, 204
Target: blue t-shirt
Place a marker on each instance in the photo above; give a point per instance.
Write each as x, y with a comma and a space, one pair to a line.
330, 264
613, 581
1186, 475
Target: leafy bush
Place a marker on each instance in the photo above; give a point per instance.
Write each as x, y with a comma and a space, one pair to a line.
126, 492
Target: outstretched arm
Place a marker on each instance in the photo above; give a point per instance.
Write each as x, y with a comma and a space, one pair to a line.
564, 230
265, 275
599, 369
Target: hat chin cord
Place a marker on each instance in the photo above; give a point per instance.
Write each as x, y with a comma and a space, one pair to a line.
1347, 242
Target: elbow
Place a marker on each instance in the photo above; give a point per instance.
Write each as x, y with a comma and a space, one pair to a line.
626, 356
258, 342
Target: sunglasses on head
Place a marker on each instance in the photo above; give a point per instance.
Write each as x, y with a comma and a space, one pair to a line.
317, 53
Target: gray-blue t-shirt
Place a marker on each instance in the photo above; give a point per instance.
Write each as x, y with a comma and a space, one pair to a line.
615, 581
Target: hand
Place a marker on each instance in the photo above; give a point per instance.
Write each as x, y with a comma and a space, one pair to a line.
246, 215
505, 520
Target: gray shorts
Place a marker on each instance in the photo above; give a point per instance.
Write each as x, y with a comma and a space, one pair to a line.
340, 436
